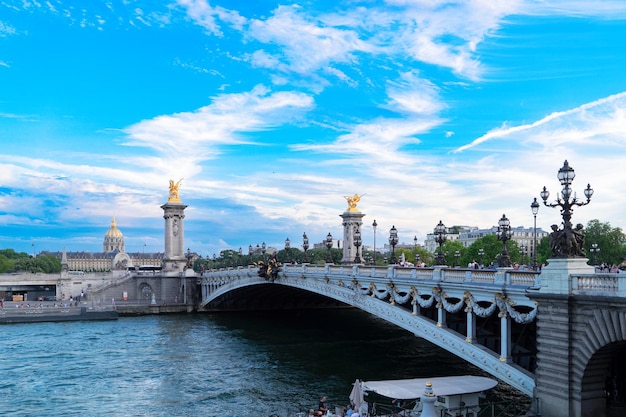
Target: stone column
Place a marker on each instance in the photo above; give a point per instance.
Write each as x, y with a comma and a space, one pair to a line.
351, 220
174, 258
471, 325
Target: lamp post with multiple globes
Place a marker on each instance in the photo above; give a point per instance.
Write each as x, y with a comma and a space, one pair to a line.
305, 246
568, 241
393, 241
329, 245
504, 234
440, 238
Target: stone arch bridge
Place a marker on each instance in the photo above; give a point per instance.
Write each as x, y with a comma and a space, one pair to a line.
558, 336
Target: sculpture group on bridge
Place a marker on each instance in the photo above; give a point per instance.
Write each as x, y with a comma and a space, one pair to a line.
568, 242
270, 269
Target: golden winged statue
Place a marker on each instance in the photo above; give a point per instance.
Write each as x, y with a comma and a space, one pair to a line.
352, 202
174, 197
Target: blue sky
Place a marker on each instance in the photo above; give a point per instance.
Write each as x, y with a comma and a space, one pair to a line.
273, 112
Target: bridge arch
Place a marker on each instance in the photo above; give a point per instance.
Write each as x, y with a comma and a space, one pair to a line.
381, 295
599, 361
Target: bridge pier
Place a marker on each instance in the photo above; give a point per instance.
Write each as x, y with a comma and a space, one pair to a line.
581, 340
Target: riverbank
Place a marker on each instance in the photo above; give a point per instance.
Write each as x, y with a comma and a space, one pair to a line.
47, 311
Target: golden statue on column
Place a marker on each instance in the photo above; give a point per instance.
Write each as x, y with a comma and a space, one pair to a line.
174, 197
352, 202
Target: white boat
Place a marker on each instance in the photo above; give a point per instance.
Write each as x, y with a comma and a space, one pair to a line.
453, 396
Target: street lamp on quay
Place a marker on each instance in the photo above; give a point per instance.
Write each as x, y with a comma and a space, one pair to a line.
305, 246
594, 251
457, 254
329, 245
287, 247
415, 242
534, 207
240, 255
263, 249
393, 241
568, 242
481, 253
357, 243
504, 234
440, 237
374, 226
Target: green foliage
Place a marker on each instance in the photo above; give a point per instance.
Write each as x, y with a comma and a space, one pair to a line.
46, 264
491, 246
544, 251
611, 242
409, 255
6, 264
449, 249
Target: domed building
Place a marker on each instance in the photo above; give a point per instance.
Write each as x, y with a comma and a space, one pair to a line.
113, 239
113, 255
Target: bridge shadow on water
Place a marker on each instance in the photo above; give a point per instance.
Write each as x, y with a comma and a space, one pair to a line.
339, 345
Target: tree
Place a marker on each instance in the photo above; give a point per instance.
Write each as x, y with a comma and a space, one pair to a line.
6, 264
610, 240
449, 248
491, 247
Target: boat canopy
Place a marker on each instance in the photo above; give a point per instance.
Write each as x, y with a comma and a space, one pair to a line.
407, 389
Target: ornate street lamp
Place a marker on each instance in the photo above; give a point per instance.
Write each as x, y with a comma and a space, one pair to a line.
504, 234
329, 245
374, 226
287, 247
534, 207
567, 242
305, 246
393, 241
357, 243
240, 255
263, 249
481, 253
440, 237
594, 251
230, 258
415, 242
457, 254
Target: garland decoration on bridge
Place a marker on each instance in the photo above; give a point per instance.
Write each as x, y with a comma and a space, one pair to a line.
426, 302
507, 305
449, 307
391, 289
476, 308
380, 294
354, 284
399, 298
414, 297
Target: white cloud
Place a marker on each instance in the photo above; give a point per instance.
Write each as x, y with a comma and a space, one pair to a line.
603, 118
195, 136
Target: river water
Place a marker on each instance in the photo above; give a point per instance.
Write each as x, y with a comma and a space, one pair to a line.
243, 364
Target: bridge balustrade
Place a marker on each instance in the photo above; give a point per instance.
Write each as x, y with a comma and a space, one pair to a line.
611, 285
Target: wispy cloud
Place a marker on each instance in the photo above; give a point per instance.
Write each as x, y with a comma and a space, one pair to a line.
600, 118
196, 136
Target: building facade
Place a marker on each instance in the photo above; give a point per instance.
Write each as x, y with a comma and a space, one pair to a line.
112, 257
